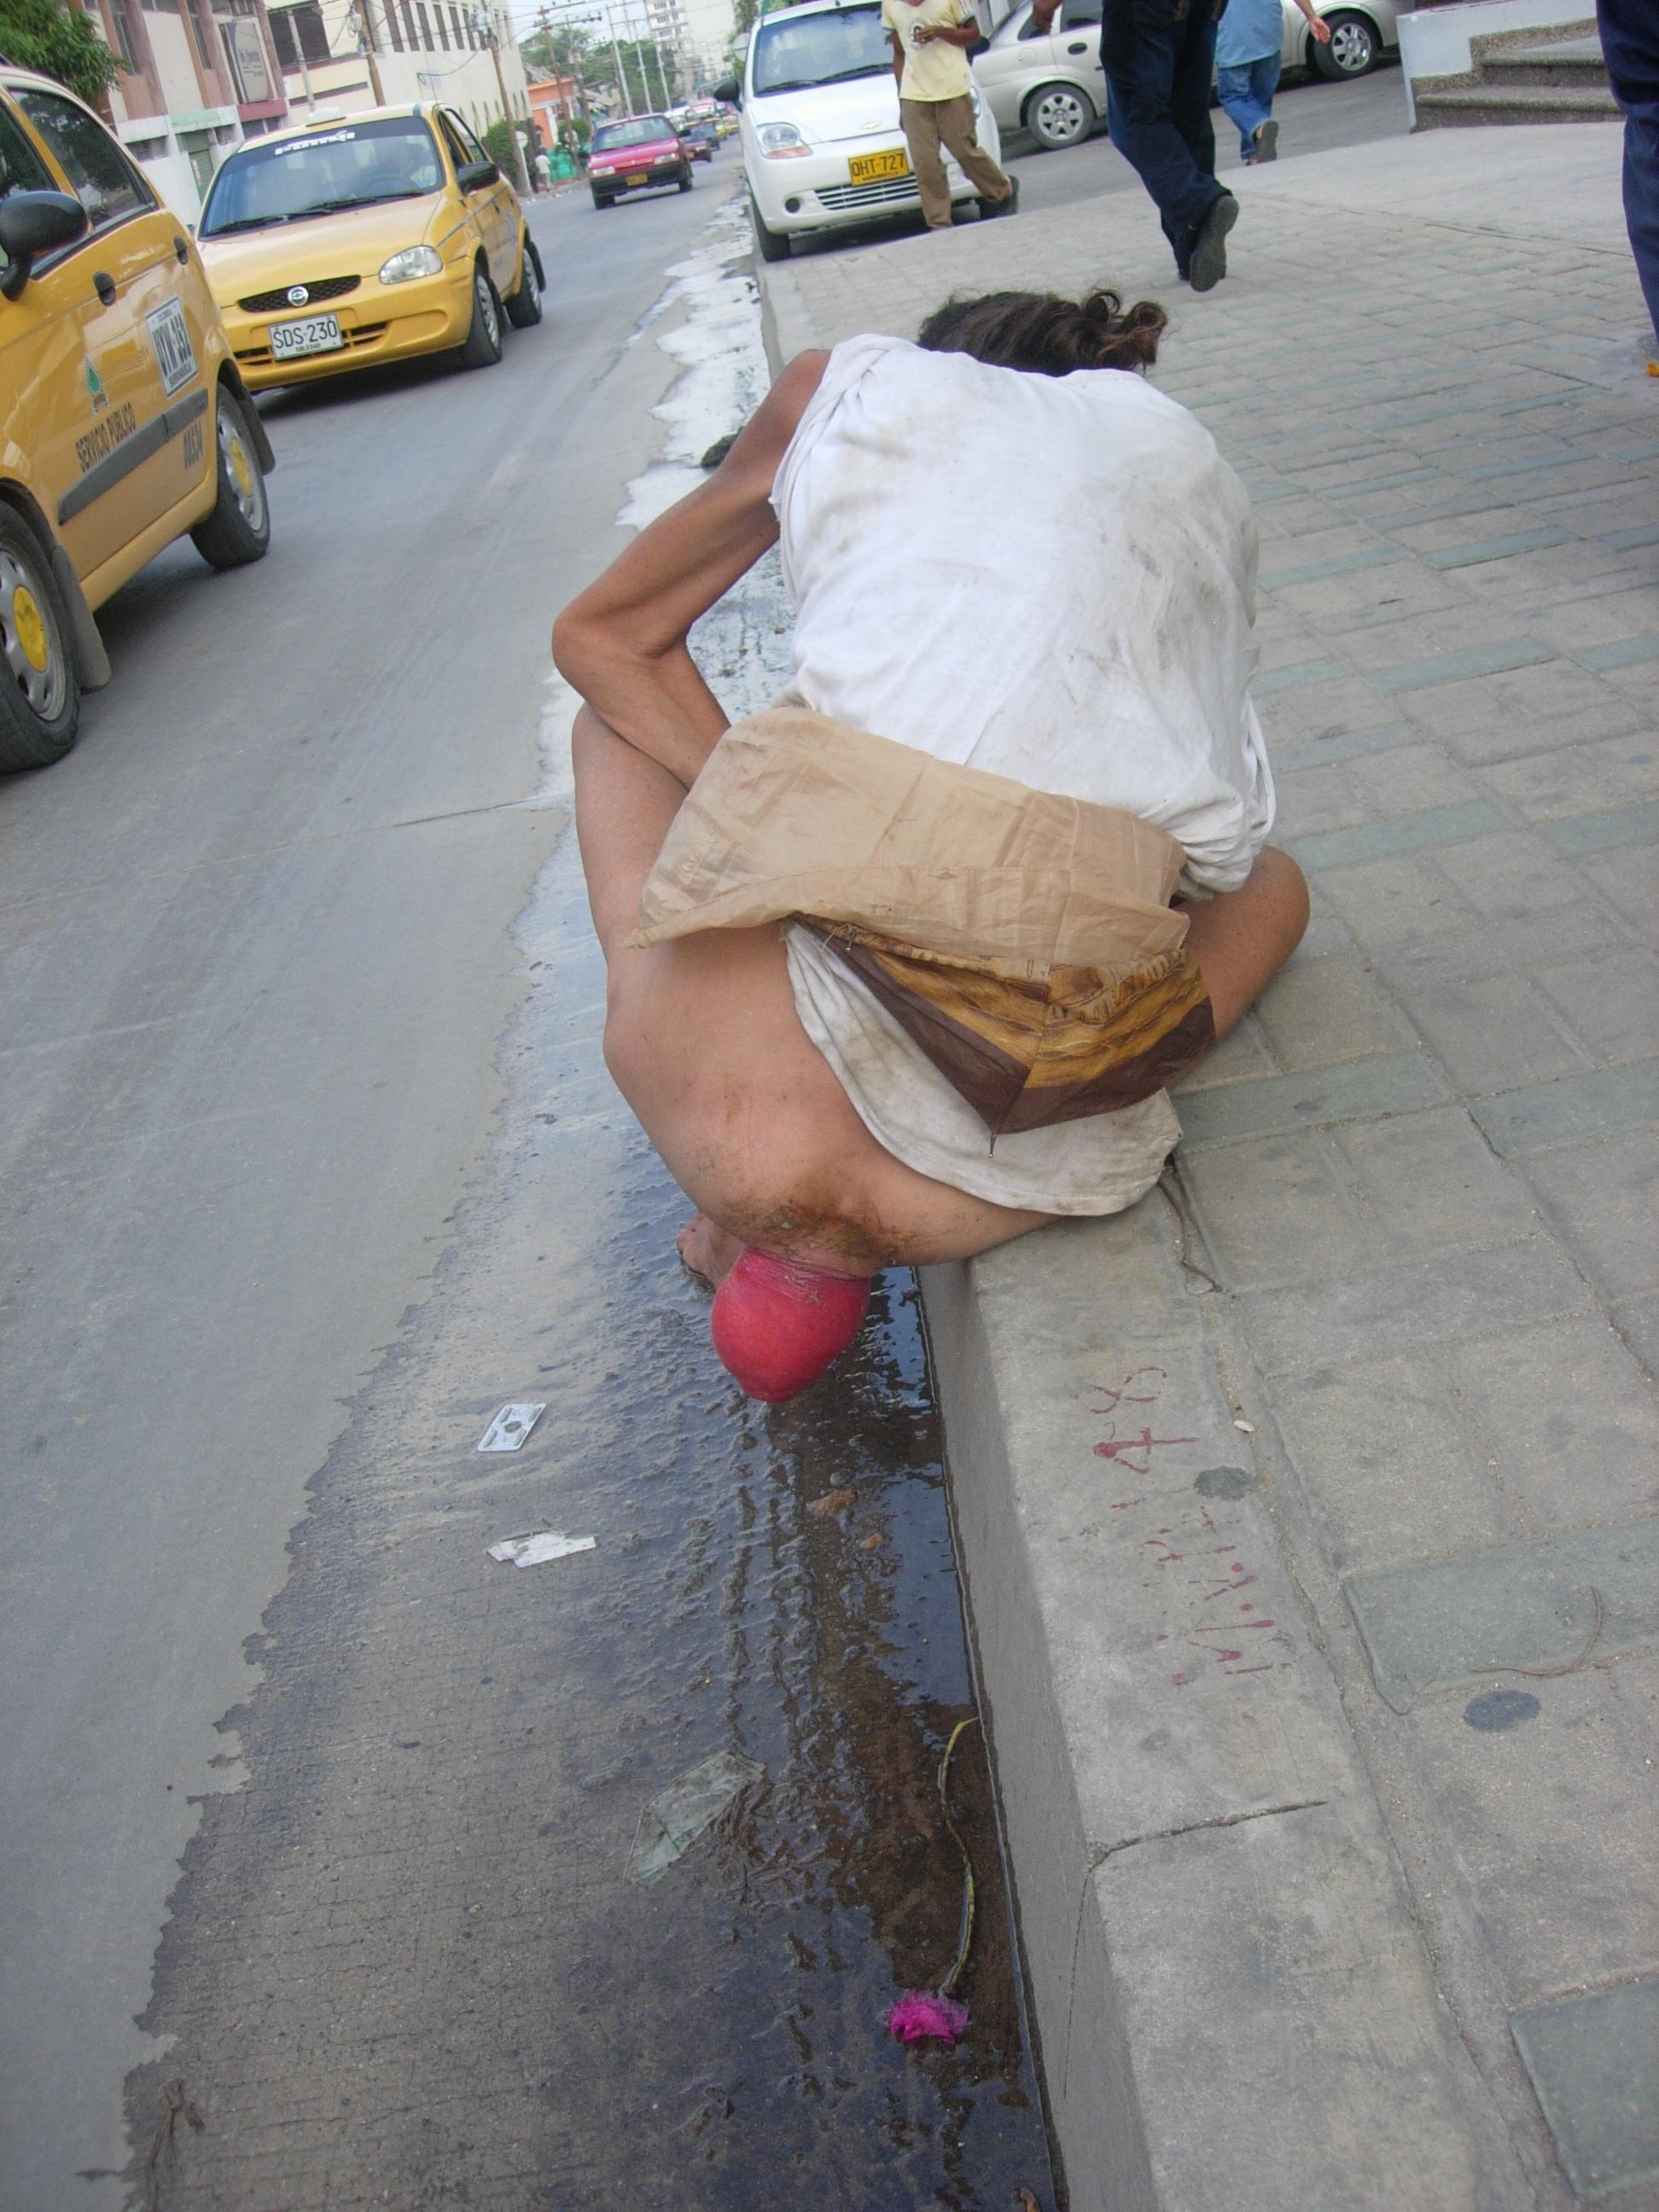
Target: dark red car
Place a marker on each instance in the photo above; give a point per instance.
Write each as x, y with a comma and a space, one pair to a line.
635, 154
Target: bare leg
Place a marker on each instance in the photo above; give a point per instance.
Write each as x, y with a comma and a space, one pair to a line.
1242, 938
703, 1040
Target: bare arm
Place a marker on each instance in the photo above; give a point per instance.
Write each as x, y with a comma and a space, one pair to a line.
897, 44
621, 643
954, 34
1316, 23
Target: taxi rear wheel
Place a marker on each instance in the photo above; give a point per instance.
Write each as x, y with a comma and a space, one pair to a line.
483, 341
39, 690
238, 530
523, 306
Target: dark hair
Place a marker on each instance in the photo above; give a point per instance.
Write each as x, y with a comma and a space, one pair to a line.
1046, 333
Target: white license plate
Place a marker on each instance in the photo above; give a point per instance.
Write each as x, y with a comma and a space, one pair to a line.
315, 334
175, 356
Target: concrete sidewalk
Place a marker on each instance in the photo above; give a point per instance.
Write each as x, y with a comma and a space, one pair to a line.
1307, 1510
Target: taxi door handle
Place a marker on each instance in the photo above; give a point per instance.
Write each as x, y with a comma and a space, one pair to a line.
1078, 46
180, 249
104, 286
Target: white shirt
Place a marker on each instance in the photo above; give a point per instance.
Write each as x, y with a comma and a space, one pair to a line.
1051, 579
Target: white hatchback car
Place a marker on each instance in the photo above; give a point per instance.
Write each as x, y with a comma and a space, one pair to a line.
1052, 84
822, 146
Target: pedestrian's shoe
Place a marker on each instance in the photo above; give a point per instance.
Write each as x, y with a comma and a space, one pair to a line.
1009, 206
1267, 141
1208, 264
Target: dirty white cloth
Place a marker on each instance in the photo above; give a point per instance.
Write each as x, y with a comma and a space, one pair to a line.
1051, 578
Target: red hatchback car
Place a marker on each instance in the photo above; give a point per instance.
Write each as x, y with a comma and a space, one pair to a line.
635, 154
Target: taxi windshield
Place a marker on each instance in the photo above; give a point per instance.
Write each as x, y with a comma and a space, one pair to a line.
392, 157
637, 130
826, 48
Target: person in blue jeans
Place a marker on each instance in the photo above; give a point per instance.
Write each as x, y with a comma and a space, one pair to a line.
1248, 45
1630, 46
1158, 56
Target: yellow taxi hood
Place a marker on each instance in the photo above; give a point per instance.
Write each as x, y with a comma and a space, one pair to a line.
352, 243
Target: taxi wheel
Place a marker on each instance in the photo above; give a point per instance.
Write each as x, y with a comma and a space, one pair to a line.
685, 181
523, 306
483, 341
238, 530
39, 691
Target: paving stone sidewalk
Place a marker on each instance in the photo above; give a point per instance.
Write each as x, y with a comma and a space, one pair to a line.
1422, 1173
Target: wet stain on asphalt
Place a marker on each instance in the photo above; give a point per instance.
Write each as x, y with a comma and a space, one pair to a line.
406, 1965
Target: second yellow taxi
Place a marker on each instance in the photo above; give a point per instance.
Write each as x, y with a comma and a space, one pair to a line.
365, 237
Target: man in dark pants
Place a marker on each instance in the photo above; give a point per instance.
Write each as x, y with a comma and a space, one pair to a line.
1158, 56
1630, 46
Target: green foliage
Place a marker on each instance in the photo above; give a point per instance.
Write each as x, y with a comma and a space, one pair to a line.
41, 34
500, 142
652, 71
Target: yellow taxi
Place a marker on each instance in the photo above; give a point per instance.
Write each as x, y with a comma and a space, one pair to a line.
123, 421
365, 237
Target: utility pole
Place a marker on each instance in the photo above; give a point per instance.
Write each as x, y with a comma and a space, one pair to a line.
366, 43
520, 182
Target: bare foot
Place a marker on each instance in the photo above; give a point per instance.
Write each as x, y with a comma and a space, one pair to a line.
708, 1251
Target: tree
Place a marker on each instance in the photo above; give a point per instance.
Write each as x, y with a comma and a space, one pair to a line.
40, 34
651, 70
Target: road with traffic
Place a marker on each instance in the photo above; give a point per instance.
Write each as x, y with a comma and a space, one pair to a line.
318, 1819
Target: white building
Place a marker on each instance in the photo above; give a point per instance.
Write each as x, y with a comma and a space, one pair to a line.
370, 53
197, 76
698, 31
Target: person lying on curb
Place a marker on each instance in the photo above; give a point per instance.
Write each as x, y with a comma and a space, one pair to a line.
901, 966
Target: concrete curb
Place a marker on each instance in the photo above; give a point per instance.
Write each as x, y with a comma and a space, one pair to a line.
1222, 1960
1250, 1985
1218, 1948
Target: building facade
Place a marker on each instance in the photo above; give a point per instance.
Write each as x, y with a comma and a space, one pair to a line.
368, 54
197, 76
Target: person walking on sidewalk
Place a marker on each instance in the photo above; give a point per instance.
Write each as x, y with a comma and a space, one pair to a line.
1158, 56
1248, 43
1630, 46
930, 40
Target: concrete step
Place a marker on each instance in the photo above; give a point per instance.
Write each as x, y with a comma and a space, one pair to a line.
1573, 64
1488, 104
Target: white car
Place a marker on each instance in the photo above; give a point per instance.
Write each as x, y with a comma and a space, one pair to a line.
822, 146
1052, 84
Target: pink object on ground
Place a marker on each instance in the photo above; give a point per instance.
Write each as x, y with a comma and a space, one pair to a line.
777, 1326
920, 2015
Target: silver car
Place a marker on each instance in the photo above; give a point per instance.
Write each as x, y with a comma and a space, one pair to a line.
1054, 86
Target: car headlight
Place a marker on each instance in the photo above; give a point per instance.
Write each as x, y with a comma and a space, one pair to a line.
779, 142
413, 261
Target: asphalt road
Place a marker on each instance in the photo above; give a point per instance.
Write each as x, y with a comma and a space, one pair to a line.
257, 961
317, 1821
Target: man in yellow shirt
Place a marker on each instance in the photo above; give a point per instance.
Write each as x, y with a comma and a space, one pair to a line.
931, 40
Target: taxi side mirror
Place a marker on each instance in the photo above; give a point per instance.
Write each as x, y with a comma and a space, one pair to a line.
728, 91
31, 224
473, 176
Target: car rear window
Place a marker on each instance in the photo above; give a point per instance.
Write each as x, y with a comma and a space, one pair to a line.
393, 157
637, 130
825, 49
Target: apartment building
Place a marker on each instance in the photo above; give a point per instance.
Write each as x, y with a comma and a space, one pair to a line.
364, 53
197, 76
